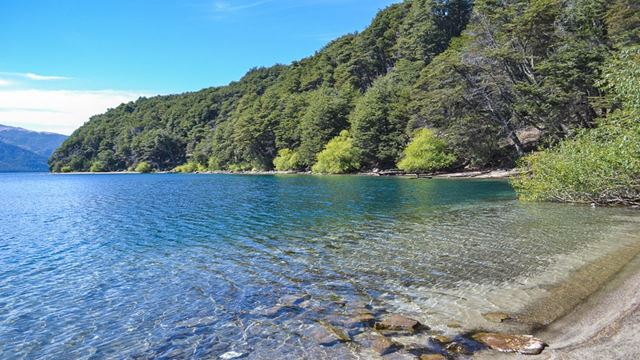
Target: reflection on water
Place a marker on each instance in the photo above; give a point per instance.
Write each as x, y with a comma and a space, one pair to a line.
151, 266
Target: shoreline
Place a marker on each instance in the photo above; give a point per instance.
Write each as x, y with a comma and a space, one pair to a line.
606, 324
603, 325
475, 174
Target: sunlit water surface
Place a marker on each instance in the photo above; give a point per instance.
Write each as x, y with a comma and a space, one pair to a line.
188, 266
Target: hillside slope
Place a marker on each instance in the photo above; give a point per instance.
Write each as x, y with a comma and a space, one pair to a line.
24, 150
41, 143
479, 78
14, 159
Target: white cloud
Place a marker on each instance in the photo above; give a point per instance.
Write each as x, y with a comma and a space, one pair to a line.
60, 111
36, 77
33, 76
4, 82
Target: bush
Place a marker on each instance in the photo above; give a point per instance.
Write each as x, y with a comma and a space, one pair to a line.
600, 165
287, 160
97, 166
143, 167
190, 168
426, 153
213, 164
338, 157
66, 169
240, 167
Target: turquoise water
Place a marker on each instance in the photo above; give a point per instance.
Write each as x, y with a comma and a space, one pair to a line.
187, 266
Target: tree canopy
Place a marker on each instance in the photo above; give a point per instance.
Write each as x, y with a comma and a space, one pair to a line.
480, 74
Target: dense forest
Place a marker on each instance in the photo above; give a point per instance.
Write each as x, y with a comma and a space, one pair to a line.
429, 85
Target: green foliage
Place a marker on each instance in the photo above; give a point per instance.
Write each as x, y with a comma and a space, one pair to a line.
299, 106
340, 156
190, 167
97, 166
324, 118
213, 164
66, 169
379, 122
143, 167
623, 21
481, 76
240, 167
426, 153
600, 165
287, 160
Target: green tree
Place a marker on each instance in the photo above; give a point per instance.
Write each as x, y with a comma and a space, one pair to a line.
144, 167
379, 123
426, 153
287, 160
325, 117
340, 156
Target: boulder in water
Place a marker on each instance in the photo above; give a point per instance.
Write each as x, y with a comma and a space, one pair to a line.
523, 344
399, 323
496, 316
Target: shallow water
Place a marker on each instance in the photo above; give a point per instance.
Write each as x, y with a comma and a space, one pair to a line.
188, 266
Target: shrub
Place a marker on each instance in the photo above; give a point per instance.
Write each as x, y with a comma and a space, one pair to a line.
287, 160
66, 169
426, 153
240, 167
190, 167
213, 164
340, 156
97, 166
143, 167
600, 165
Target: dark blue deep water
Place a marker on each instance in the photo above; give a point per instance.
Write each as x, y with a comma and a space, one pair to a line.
189, 266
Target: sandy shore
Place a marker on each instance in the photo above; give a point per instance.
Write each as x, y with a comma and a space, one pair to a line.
604, 326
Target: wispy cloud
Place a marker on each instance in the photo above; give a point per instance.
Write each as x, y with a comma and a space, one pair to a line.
34, 77
60, 111
4, 82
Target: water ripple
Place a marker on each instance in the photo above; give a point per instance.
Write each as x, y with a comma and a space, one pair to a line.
179, 266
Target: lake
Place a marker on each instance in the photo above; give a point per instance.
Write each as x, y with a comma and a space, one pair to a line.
191, 266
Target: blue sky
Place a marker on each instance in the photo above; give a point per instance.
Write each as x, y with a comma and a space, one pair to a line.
66, 59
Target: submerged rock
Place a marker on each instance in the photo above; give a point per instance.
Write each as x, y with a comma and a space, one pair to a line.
496, 316
293, 300
456, 347
383, 345
335, 332
432, 357
442, 339
273, 311
365, 319
399, 323
523, 344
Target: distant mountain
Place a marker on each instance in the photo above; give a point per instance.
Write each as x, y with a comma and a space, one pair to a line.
25, 150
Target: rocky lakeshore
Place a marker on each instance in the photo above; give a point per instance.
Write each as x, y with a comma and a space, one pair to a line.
373, 332
604, 326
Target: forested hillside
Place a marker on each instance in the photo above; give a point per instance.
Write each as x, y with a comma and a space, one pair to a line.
485, 78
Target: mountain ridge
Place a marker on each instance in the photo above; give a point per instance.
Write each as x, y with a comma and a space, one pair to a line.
26, 150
